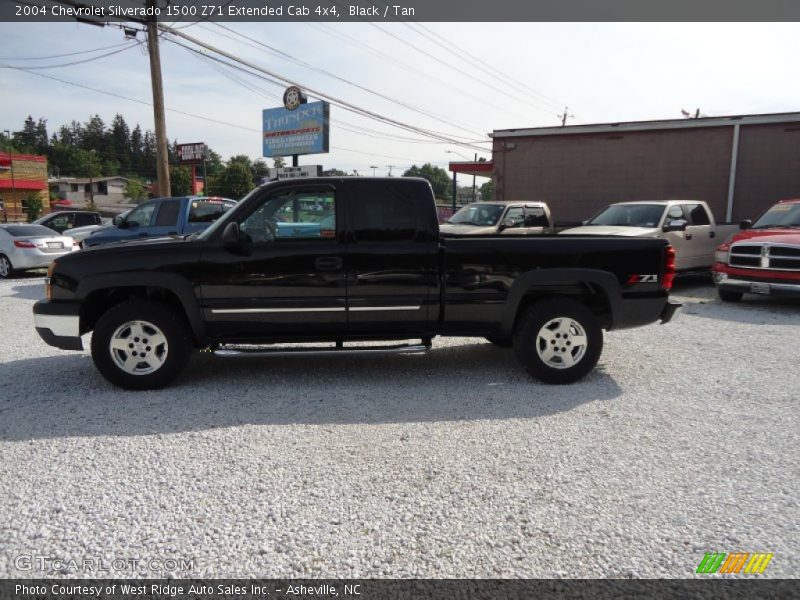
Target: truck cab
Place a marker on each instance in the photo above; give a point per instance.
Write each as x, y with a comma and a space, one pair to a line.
162, 217
688, 225
500, 218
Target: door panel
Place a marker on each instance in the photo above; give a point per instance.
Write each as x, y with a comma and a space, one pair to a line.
701, 245
391, 264
287, 286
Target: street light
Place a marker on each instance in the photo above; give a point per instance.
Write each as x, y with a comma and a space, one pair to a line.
373, 167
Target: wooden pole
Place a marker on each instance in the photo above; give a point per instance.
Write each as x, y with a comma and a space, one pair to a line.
162, 155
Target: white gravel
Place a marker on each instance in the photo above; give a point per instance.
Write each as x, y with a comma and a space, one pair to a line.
450, 464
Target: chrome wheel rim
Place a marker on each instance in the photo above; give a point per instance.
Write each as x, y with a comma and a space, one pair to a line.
138, 348
561, 343
5, 267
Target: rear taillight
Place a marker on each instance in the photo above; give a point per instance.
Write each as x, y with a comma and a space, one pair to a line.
669, 268
24, 244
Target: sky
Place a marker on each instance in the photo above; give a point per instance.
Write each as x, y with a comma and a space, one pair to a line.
524, 76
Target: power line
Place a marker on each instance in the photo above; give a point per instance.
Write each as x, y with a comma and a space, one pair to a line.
192, 115
271, 76
63, 55
76, 62
289, 57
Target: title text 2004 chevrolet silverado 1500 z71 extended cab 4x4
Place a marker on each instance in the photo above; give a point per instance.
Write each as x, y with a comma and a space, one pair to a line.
373, 267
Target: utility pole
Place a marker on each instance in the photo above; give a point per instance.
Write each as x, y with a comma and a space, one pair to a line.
162, 155
390, 167
473, 180
565, 116
92, 153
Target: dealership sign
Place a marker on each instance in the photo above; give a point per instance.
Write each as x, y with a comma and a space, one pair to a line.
191, 154
295, 172
303, 130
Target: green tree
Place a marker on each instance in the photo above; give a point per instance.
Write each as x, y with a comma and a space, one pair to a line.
278, 162
334, 173
439, 179
235, 181
134, 190
180, 181
487, 190
32, 203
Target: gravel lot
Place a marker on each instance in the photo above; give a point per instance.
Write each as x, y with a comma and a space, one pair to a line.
450, 464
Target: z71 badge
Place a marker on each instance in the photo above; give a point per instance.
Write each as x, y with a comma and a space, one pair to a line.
642, 279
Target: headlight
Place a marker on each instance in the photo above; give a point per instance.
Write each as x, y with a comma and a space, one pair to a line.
721, 256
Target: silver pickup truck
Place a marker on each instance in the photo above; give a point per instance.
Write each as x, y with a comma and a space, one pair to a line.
515, 217
688, 225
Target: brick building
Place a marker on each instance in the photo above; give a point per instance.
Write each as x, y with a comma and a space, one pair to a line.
740, 165
20, 175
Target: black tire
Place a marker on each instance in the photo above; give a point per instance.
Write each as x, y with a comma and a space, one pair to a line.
502, 342
729, 296
527, 342
6, 268
174, 354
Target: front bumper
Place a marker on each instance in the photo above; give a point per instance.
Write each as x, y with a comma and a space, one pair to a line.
745, 287
58, 324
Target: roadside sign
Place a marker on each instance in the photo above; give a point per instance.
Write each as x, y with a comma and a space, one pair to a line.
304, 130
191, 154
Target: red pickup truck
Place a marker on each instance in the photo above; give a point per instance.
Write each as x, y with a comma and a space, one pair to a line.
764, 258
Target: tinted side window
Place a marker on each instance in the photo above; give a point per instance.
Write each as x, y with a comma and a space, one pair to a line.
81, 220
168, 213
698, 215
535, 217
293, 215
385, 219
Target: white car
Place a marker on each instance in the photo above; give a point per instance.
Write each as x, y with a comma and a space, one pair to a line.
81, 233
24, 246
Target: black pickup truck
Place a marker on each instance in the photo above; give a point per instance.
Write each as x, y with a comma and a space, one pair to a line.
337, 260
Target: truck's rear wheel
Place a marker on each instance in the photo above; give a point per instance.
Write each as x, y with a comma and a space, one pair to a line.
558, 341
140, 345
729, 296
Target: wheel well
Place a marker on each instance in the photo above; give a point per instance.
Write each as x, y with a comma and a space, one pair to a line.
592, 296
99, 301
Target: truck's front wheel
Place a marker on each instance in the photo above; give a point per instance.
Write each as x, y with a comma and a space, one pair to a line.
558, 341
140, 345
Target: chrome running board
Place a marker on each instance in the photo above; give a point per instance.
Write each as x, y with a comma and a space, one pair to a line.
323, 351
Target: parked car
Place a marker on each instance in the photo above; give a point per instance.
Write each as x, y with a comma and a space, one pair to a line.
764, 258
81, 233
688, 225
29, 246
505, 218
162, 217
385, 274
63, 220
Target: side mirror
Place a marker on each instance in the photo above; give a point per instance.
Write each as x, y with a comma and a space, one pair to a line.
746, 224
230, 235
506, 224
118, 221
675, 225
234, 239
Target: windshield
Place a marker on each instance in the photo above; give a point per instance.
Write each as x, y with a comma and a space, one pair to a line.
780, 215
629, 215
477, 214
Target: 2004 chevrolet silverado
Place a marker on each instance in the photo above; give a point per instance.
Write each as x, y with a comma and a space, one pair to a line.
372, 267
